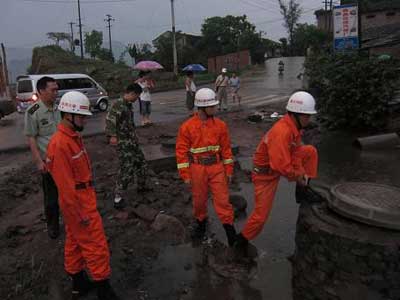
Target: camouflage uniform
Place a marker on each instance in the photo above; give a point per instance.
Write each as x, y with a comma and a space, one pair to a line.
120, 123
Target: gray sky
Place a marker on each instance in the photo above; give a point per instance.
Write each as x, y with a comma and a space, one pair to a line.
24, 23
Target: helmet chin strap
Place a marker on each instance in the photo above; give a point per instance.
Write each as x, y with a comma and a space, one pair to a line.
296, 117
76, 127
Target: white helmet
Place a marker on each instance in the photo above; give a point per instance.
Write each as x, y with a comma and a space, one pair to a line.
205, 97
224, 70
302, 103
75, 103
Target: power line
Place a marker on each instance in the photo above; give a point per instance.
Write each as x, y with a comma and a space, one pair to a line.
84, 2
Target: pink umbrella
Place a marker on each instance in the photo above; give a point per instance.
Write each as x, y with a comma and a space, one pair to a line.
148, 65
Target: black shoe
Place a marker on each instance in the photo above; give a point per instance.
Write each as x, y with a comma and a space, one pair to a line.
119, 205
53, 225
81, 285
244, 249
199, 230
305, 194
105, 291
230, 234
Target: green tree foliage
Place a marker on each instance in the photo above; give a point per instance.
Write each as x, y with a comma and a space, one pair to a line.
223, 35
305, 36
352, 90
57, 37
93, 42
291, 13
284, 46
187, 52
105, 54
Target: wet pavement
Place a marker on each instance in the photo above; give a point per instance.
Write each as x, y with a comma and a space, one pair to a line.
260, 87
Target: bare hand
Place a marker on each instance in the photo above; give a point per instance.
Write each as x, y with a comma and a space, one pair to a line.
303, 181
41, 166
113, 141
188, 182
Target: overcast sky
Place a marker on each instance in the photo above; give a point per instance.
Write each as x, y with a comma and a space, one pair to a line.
24, 23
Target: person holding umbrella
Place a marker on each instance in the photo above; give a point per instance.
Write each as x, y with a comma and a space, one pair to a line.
147, 84
190, 91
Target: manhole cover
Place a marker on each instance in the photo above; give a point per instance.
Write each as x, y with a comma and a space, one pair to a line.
374, 204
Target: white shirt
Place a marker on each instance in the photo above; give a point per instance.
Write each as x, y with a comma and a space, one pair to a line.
192, 87
145, 95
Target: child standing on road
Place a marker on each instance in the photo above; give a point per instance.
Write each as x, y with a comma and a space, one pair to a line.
120, 129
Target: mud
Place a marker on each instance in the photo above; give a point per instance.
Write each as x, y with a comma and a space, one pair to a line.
32, 265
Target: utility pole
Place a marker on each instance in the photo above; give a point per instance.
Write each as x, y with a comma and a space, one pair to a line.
72, 37
5, 71
80, 27
108, 20
174, 39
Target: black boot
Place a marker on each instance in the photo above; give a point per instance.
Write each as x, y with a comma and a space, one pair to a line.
241, 245
230, 234
53, 225
199, 230
81, 284
105, 291
307, 194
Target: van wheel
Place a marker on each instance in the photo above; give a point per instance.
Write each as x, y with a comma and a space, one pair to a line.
103, 105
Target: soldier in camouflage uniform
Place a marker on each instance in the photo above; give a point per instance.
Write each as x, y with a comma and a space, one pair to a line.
120, 129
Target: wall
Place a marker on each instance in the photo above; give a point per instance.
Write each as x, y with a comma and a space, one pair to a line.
379, 18
232, 61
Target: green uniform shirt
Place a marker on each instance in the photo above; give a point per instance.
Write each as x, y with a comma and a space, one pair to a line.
41, 123
120, 120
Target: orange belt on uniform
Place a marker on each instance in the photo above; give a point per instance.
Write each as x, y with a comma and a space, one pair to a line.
83, 185
205, 160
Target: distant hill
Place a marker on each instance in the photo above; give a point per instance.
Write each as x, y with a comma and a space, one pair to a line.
53, 59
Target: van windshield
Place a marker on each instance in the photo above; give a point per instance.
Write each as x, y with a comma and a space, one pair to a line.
25, 86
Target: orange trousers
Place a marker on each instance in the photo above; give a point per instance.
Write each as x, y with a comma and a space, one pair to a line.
211, 178
265, 186
86, 248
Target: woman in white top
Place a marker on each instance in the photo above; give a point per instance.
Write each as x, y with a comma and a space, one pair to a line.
190, 91
147, 85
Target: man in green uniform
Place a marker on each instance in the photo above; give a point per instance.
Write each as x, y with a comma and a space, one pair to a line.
120, 129
41, 120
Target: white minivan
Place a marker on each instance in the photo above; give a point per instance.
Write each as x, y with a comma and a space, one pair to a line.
27, 93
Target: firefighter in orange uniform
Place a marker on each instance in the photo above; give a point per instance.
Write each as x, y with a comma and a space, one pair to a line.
68, 162
280, 153
205, 163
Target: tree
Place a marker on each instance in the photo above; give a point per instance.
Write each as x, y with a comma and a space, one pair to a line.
291, 13
306, 36
93, 42
105, 54
139, 52
223, 35
59, 36
284, 43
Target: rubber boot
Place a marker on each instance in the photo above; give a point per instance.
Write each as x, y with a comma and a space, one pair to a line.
199, 230
305, 194
81, 284
53, 225
105, 291
230, 234
241, 246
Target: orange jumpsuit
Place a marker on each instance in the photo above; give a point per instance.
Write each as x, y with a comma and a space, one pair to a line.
280, 153
197, 140
85, 245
